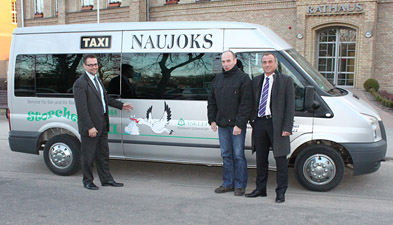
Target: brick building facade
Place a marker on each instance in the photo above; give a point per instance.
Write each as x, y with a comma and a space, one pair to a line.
348, 41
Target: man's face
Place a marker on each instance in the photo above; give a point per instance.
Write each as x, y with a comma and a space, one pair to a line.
91, 66
269, 64
228, 61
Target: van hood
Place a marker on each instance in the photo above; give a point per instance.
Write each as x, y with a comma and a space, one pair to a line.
354, 101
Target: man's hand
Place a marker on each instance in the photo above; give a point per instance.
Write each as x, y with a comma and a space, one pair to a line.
286, 133
213, 125
93, 132
128, 107
237, 130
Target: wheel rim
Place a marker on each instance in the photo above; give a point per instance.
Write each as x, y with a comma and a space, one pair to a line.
319, 169
60, 155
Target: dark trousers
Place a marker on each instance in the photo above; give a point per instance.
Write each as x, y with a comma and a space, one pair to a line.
263, 139
96, 150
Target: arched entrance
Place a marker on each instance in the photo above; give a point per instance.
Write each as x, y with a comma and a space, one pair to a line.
336, 50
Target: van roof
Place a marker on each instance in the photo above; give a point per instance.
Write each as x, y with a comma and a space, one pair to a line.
170, 25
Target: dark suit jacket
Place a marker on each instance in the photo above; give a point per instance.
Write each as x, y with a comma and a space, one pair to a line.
282, 106
89, 107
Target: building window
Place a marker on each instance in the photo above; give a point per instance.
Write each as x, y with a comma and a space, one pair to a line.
171, 1
38, 6
13, 11
336, 55
114, 3
87, 3
57, 7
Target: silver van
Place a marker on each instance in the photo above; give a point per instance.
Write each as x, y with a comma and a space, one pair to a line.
165, 70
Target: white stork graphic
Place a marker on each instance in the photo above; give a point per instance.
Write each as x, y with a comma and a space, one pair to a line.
158, 126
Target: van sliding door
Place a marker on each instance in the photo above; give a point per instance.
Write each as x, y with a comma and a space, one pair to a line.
169, 93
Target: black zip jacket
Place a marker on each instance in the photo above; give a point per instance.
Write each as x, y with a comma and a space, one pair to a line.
230, 99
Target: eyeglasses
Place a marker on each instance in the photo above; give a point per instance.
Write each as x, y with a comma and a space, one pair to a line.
95, 64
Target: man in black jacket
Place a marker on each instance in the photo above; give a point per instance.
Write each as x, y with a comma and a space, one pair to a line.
229, 108
272, 121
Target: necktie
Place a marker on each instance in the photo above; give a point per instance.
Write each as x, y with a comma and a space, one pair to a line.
263, 101
97, 86
99, 91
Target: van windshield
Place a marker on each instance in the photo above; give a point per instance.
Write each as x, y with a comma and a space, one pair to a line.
324, 84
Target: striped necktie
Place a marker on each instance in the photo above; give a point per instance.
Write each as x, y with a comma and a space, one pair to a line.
99, 92
97, 86
263, 101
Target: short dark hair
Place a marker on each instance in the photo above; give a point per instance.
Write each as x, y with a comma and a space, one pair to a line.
233, 54
269, 53
88, 56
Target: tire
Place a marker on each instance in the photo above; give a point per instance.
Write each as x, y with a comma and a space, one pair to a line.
62, 155
319, 168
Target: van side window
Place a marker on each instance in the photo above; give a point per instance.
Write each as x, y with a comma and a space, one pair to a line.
53, 75
109, 68
181, 76
25, 75
252, 65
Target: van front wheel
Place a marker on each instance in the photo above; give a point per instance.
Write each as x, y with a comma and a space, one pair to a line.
62, 154
319, 168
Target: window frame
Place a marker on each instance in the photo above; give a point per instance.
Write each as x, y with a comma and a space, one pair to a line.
337, 57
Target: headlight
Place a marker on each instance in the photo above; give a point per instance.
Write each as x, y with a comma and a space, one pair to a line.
374, 126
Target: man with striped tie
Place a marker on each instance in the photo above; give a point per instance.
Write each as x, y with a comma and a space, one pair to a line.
272, 121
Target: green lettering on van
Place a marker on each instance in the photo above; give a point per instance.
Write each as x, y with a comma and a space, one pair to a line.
66, 113
112, 112
30, 116
113, 129
37, 116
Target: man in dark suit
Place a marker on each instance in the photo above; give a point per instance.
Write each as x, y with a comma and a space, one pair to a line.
272, 121
91, 103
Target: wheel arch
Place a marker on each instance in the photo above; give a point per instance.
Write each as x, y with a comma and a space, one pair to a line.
52, 129
336, 146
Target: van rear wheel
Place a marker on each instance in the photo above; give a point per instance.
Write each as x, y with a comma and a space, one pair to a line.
319, 168
62, 154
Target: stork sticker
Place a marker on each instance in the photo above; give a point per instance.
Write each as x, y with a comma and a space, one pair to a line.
158, 126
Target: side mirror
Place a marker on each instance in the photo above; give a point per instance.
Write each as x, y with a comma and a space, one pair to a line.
309, 103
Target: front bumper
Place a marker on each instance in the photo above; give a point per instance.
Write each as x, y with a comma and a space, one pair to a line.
367, 157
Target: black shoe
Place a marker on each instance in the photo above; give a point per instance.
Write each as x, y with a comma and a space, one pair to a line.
256, 193
239, 191
280, 198
222, 189
113, 184
90, 186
